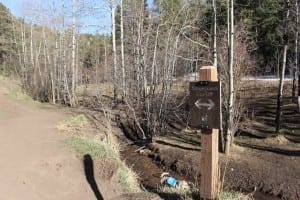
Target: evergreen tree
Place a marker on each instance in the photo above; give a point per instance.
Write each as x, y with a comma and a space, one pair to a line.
6, 38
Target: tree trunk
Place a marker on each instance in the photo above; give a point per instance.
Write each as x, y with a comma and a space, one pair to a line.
215, 63
67, 95
295, 69
214, 33
114, 48
73, 98
105, 59
31, 57
122, 51
281, 83
24, 56
229, 134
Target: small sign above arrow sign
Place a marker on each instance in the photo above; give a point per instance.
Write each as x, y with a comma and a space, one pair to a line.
204, 104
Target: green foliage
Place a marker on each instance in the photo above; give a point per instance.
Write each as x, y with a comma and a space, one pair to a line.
91, 51
6, 39
263, 20
91, 45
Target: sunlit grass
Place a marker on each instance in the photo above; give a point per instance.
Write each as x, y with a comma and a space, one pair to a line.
94, 148
72, 123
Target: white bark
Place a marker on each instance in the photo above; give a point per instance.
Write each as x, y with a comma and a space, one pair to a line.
215, 63
214, 33
114, 48
122, 51
32, 54
64, 58
295, 69
73, 96
105, 59
229, 134
281, 83
24, 52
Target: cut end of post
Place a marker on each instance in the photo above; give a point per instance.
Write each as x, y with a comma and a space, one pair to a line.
208, 73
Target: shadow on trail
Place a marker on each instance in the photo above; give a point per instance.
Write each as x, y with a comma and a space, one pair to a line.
89, 174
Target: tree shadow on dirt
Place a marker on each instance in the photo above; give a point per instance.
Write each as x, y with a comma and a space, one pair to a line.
285, 152
261, 110
89, 174
177, 146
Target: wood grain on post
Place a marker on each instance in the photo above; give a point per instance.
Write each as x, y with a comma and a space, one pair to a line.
208, 73
299, 93
209, 148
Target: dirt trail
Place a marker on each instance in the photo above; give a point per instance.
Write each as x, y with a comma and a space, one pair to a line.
34, 162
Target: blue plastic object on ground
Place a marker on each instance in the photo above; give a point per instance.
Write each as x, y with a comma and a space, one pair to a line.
172, 181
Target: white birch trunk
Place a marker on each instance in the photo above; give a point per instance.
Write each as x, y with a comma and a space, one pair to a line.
215, 63
214, 34
295, 69
278, 120
105, 59
67, 95
229, 134
122, 51
114, 48
32, 55
73, 98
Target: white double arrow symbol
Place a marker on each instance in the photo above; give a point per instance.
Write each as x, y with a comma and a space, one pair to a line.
209, 105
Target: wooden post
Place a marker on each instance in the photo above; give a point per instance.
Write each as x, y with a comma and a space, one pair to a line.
299, 93
209, 148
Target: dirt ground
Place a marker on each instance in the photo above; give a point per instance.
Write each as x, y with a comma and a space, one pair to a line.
35, 162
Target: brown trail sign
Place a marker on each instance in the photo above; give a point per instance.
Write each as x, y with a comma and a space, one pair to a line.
204, 105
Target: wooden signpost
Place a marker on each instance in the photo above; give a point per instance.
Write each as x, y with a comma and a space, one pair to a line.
299, 93
204, 106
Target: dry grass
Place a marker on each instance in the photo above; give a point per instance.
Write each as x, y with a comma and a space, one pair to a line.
234, 196
128, 179
175, 193
93, 89
74, 123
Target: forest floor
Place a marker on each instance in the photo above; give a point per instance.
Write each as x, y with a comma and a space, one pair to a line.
261, 164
